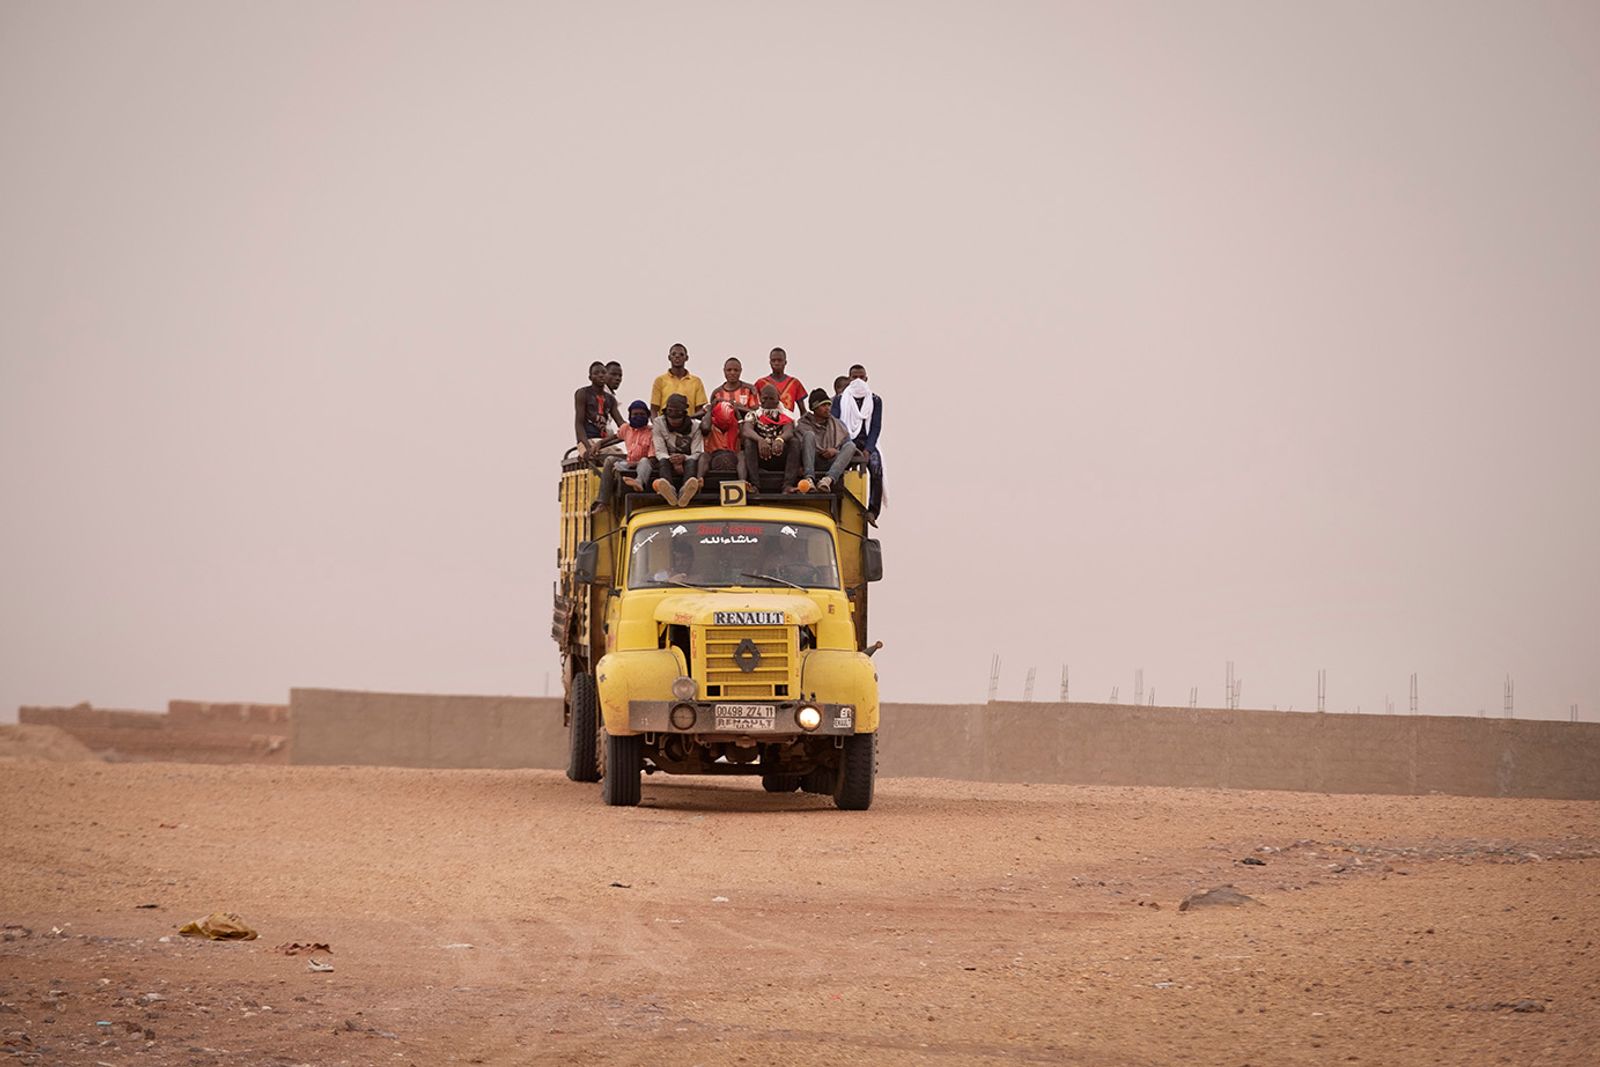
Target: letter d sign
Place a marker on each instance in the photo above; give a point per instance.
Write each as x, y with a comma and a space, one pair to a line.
733, 494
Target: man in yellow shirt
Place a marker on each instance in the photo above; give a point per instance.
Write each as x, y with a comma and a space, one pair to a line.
677, 380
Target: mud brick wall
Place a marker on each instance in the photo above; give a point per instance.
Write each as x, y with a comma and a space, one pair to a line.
419, 730
189, 731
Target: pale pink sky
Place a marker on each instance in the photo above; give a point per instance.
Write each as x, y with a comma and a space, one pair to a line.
1206, 331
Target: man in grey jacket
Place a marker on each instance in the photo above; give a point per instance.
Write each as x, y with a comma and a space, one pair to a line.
678, 446
825, 444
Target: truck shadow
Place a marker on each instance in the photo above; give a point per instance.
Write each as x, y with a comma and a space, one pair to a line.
664, 794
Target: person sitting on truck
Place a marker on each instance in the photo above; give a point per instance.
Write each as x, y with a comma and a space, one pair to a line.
742, 398
825, 445
791, 394
769, 443
862, 415
678, 444
677, 379
633, 466
594, 410
724, 451
742, 395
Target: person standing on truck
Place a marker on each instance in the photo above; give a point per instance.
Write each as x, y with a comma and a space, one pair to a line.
861, 411
614, 382
744, 397
677, 380
838, 390
678, 444
769, 443
594, 410
791, 394
825, 445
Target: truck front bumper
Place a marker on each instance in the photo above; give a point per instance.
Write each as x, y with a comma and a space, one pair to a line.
737, 718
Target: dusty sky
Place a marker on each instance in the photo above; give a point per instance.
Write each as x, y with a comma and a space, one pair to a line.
1262, 331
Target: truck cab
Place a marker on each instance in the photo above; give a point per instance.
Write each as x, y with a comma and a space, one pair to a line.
723, 637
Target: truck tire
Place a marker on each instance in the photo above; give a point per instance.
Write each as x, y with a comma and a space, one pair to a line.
780, 783
819, 781
853, 790
619, 784
583, 764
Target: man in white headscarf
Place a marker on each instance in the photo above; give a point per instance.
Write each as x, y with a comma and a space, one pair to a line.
861, 411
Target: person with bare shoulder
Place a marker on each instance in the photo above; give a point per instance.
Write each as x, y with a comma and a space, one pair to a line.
594, 410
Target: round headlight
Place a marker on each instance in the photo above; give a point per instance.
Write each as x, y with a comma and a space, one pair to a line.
683, 716
684, 688
808, 717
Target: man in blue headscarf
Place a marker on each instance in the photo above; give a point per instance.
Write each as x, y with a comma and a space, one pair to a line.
632, 463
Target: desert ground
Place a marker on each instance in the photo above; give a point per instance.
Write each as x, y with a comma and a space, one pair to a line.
504, 917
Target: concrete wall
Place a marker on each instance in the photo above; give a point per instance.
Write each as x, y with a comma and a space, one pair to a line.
189, 730
1108, 744
1114, 744
416, 730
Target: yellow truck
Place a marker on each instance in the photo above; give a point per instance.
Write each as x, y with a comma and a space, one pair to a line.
725, 636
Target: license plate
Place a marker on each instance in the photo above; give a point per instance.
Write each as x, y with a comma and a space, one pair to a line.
743, 718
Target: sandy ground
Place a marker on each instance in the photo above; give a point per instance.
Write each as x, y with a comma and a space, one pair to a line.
953, 923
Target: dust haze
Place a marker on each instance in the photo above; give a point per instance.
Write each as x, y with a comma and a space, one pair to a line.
1245, 332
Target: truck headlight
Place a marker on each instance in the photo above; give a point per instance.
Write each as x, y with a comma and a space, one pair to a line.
808, 717
684, 688
683, 716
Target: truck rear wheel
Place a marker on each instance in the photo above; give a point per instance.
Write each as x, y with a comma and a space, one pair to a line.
583, 764
780, 783
619, 784
853, 790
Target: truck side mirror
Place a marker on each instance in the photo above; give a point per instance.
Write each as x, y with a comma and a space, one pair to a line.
585, 563
871, 559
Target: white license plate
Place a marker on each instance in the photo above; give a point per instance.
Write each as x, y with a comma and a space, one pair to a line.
743, 718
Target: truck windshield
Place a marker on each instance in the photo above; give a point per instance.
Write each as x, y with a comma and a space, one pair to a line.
706, 555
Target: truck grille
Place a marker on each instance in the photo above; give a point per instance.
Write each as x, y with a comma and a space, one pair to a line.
769, 678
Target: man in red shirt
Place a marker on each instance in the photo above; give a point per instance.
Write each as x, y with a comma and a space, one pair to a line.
744, 397
724, 450
791, 394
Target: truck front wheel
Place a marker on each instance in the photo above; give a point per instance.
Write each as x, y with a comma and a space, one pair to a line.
780, 783
852, 791
619, 782
583, 764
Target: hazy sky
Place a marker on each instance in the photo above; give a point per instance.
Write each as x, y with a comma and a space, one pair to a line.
1205, 331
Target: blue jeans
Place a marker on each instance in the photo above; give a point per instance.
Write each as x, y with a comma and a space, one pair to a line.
809, 457
616, 468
